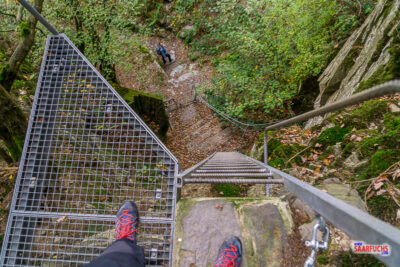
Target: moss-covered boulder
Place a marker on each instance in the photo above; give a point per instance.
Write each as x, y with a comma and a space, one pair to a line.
368, 112
149, 107
382, 160
332, 136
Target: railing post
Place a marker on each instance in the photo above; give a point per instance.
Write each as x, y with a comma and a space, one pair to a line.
267, 186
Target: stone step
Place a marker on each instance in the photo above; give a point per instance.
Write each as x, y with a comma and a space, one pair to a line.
202, 225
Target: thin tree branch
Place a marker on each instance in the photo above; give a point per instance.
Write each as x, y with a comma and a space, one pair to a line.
7, 14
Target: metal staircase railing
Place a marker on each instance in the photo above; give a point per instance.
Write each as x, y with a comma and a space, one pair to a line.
357, 224
86, 150
229, 168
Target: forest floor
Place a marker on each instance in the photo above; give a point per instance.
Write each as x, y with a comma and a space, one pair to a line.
195, 132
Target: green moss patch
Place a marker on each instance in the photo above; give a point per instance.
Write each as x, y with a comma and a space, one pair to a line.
332, 136
368, 112
392, 122
382, 160
228, 190
147, 106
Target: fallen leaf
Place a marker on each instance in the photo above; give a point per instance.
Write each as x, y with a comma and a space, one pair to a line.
318, 145
378, 185
358, 138
219, 207
326, 161
61, 219
381, 192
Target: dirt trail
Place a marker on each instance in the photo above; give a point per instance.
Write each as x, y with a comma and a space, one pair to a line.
195, 132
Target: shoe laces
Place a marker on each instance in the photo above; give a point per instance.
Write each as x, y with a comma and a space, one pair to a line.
227, 258
126, 225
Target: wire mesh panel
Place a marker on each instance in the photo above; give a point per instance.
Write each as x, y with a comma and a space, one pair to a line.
64, 241
86, 152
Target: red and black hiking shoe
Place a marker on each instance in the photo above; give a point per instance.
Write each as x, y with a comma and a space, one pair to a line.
126, 223
230, 253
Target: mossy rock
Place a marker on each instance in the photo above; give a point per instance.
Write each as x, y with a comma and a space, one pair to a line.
382, 160
387, 72
392, 122
368, 112
146, 106
285, 151
273, 143
277, 163
332, 136
369, 146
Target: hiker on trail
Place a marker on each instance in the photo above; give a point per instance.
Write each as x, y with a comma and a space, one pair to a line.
163, 53
125, 252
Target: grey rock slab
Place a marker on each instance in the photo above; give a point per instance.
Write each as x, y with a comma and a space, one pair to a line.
203, 224
188, 76
353, 162
177, 70
303, 207
345, 193
206, 227
394, 108
189, 114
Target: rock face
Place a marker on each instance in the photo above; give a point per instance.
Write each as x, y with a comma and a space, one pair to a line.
363, 54
203, 224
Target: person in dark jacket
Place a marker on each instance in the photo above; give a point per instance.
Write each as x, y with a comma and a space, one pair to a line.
163, 53
124, 252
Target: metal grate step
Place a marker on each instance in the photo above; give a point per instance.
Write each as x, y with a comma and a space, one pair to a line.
85, 153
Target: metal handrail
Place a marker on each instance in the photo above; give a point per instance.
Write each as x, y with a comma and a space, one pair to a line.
388, 88
359, 225
39, 17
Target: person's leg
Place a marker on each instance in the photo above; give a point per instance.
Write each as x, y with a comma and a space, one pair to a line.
163, 59
123, 252
169, 57
230, 253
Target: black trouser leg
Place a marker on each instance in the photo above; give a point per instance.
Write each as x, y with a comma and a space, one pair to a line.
121, 253
163, 59
169, 57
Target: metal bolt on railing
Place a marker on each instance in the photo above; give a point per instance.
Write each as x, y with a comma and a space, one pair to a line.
314, 243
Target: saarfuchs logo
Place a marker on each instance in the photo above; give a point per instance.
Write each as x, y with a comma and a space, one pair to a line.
360, 247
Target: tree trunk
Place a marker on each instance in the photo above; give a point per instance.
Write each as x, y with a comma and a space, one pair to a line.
4, 155
10, 71
13, 124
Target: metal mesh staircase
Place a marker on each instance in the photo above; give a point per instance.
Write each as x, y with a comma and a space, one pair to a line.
85, 153
230, 167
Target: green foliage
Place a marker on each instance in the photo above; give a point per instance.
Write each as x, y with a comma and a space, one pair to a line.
332, 136
98, 28
264, 49
24, 29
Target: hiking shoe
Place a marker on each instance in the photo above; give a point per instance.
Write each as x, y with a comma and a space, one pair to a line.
230, 253
126, 223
